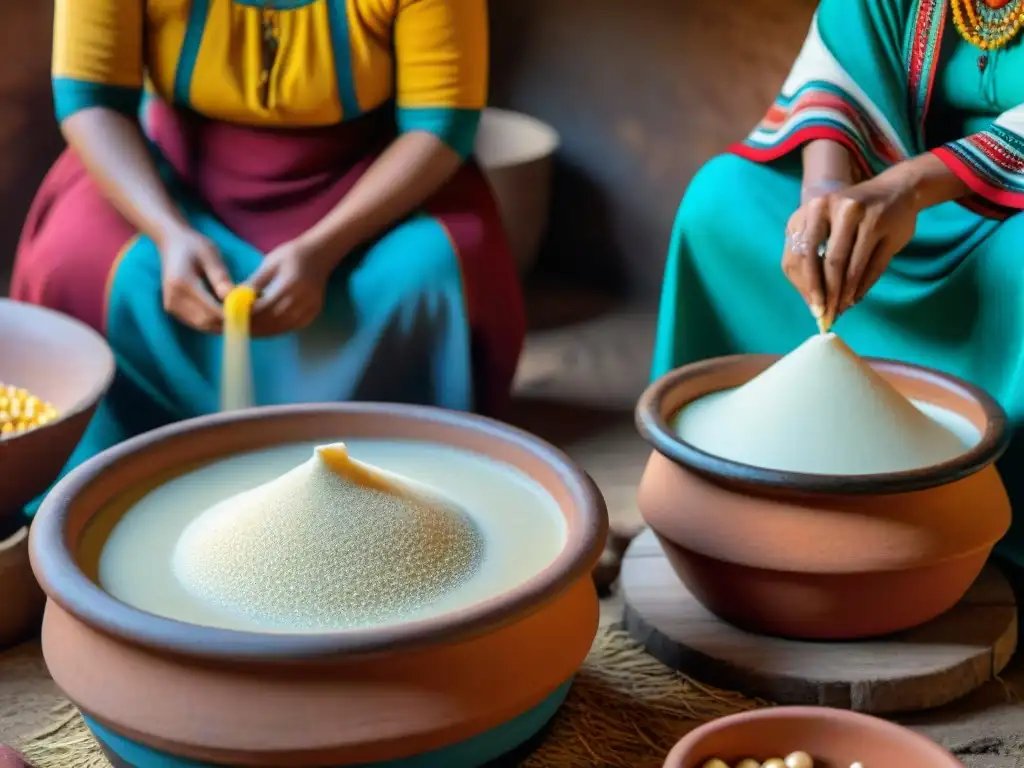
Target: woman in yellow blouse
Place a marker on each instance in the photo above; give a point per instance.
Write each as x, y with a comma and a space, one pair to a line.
314, 148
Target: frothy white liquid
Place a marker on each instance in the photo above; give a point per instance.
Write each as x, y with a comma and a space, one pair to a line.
522, 526
859, 459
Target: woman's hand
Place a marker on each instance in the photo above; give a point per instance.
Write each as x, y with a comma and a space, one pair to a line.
861, 228
291, 283
191, 267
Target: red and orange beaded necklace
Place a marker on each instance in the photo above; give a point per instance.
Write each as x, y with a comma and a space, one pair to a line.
988, 25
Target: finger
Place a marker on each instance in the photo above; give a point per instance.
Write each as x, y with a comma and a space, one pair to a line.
285, 305
298, 318
268, 312
195, 313
845, 216
261, 325
271, 294
186, 299
792, 253
804, 266
261, 279
860, 260
879, 262
204, 298
207, 310
305, 313
215, 272
288, 314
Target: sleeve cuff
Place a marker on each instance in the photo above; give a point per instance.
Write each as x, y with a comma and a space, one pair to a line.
71, 96
982, 172
455, 127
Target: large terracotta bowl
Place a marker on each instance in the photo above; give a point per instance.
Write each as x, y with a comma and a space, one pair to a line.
455, 691
822, 556
835, 738
59, 360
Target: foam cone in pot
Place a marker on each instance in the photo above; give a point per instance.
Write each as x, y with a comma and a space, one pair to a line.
820, 409
823, 555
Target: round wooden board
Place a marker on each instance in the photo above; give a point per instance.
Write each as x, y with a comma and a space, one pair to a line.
915, 670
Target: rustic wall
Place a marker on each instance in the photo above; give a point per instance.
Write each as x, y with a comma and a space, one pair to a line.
28, 133
641, 91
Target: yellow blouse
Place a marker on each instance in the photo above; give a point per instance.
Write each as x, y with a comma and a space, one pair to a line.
287, 63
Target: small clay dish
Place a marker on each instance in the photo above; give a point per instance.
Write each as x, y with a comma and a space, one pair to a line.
452, 691
822, 556
21, 599
59, 360
835, 738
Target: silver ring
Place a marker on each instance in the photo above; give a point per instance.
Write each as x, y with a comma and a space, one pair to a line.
822, 250
796, 242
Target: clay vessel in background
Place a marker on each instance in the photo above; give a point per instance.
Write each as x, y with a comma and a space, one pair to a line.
516, 153
822, 556
21, 599
833, 737
62, 361
453, 691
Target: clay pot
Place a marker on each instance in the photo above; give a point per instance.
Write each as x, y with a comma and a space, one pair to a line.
833, 737
59, 360
820, 556
516, 153
21, 599
452, 691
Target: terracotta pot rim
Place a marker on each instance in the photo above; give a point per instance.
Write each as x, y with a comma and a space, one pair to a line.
937, 756
86, 400
64, 582
654, 428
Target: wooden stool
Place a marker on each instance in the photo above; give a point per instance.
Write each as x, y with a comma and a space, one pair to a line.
919, 669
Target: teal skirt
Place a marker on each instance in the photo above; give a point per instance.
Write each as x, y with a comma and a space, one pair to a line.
952, 300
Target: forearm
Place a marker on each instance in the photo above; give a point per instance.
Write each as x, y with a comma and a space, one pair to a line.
828, 166
928, 180
114, 152
408, 172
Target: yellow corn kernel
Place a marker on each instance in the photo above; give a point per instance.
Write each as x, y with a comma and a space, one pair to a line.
21, 411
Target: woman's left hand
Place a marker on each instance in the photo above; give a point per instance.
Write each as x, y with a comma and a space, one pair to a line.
867, 224
290, 283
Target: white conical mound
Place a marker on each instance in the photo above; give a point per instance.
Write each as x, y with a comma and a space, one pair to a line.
821, 410
333, 543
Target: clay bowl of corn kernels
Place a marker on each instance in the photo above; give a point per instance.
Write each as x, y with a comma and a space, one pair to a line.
806, 737
53, 372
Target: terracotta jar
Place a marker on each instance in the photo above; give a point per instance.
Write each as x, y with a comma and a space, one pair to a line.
833, 737
822, 556
453, 691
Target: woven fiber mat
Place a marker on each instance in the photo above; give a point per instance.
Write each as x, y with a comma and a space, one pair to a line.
625, 710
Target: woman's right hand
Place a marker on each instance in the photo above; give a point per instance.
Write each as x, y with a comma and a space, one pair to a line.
839, 244
195, 281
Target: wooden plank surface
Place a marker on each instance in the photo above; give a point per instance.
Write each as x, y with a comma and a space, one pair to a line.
914, 670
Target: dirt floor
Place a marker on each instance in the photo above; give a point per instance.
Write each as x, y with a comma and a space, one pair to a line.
577, 386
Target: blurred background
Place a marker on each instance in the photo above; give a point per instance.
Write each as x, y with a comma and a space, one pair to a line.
640, 94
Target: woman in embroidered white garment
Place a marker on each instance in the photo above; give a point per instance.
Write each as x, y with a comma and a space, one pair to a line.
898, 138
